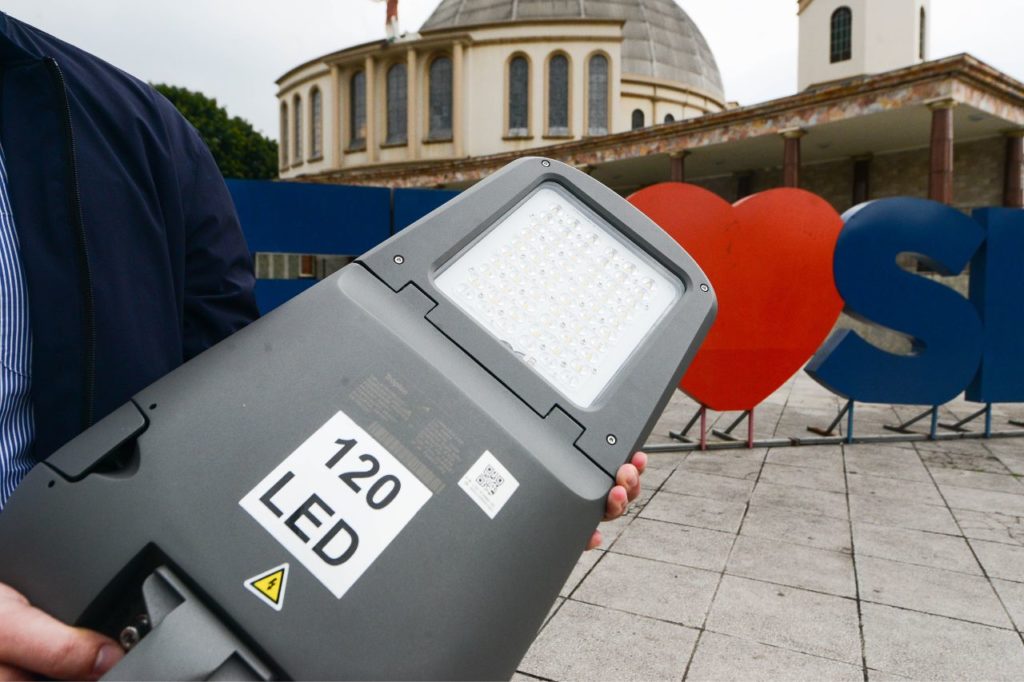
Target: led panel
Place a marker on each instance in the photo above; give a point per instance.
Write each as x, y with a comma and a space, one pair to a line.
571, 298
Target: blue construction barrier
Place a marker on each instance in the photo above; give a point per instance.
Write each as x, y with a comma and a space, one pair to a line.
304, 218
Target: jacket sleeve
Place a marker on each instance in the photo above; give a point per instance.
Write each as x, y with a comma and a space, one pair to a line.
219, 280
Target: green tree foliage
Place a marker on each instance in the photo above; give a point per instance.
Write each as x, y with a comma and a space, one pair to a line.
239, 150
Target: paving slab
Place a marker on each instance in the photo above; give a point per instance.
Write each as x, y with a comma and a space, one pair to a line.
999, 560
1004, 483
671, 592
922, 492
926, 647
808, 622
805, 500
810, 456
584, 642
992, 526
831, 480
742, 464
915, 547
984, 463
931, 590
610, 530
888, 462
687, 482
695, 511
902, 514
1012, 595
673, 543
785, 563
974, 499
582, 567
723, 658
810, 530
1013, 461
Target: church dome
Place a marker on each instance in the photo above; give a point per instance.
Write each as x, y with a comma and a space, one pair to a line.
659, 38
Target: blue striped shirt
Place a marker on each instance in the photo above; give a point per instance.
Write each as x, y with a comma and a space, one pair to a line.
17, 426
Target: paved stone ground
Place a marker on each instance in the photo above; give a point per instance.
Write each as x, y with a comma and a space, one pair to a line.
840, 562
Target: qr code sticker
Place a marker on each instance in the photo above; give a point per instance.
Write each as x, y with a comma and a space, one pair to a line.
490, 480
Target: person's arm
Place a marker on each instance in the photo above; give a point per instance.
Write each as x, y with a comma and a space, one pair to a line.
219, 279
33, 643
625, 490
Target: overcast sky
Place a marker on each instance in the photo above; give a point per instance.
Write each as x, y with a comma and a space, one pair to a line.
234, 50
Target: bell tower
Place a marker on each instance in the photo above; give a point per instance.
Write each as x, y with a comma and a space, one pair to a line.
846, 38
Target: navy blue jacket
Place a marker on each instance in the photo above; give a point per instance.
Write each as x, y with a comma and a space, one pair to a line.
132, 251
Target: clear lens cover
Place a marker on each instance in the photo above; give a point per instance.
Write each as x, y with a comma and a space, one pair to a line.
570, 298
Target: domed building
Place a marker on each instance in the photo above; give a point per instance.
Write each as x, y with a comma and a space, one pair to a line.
492, 77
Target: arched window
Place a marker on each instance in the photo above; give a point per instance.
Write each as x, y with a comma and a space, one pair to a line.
357, 111
669, 118
597, 95
842, 35
558, 95
922, 49
440, 122
638, 119
316, 121
284, 135
297, 122
398, 105
518, 97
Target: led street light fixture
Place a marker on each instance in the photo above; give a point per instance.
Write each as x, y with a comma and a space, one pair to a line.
392, 475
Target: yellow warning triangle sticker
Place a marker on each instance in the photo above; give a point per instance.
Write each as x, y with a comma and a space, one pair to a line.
269, 586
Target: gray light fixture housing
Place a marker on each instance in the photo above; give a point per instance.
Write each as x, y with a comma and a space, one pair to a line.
140, 524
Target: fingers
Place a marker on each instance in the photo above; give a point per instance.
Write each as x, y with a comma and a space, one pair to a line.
595, 541
616, 504
639, 461
629, 478
30, 640
9, 674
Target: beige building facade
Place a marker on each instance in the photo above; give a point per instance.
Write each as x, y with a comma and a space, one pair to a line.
496, 79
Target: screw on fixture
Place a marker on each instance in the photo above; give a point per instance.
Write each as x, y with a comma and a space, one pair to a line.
399, 260
704, 287
545, 163
612, 440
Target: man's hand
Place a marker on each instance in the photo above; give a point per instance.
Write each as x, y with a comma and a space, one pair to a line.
627, 487
32, 643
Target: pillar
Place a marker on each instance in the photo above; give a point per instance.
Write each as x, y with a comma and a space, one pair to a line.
1013, 183
791, 157
677, 162
412, 105
336, 127
940, 174
371, 110
861, 179
458, 103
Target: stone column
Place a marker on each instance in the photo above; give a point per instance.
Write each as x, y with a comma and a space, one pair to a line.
371, 109
1013, 184
335, 128
791, 157
677, 161
458, 134
412, 109
940, 174
861, 179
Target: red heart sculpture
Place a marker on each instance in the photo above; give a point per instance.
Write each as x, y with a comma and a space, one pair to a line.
769, 258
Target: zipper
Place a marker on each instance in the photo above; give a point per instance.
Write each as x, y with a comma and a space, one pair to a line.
85, 272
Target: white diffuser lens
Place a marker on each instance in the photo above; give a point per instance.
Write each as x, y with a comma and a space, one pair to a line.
572, 300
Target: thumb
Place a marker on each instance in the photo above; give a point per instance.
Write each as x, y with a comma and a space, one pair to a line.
34, 641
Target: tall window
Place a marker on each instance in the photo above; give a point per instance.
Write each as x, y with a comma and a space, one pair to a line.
440, 123
638, 119
597, 95
398, 101
316, 119
842, 35
558, 95
922, 48
357, 111
518, 97
297, 121
284, 134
